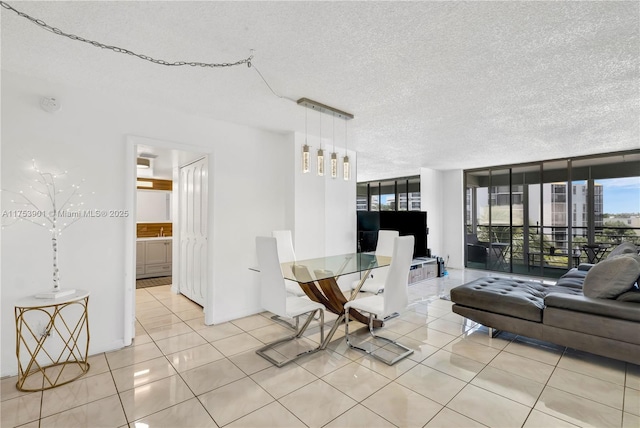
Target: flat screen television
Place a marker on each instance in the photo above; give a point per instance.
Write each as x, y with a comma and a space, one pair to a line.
405, 222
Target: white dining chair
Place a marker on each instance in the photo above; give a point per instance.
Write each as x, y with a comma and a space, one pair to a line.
384, 247
274, 298
286, 253
394, 299
285, 245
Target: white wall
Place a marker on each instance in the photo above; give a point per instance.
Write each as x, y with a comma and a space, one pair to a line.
324, 220
453, 217
431, 199
442, 197
249, 200
87, 137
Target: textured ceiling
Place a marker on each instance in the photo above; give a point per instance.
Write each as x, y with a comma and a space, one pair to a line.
431, 84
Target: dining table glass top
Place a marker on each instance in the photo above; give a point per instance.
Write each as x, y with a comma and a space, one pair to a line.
332, 266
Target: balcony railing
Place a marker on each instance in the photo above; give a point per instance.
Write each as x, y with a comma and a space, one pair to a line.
549, 246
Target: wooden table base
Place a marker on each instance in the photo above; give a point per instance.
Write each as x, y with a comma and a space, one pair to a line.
327, 292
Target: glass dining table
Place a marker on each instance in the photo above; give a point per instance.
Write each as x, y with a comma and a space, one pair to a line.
318, 278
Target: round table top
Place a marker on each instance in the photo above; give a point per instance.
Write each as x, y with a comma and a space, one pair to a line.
33, 301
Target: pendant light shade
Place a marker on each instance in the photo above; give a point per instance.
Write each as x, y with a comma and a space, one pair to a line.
320, 151
334, 155
334, 165
346, 168
305, 159
320, 162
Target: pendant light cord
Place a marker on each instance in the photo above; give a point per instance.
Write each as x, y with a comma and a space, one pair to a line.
333, 125
269, 86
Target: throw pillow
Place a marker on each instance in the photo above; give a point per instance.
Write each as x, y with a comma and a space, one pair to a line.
624, 248
630, 296
612, 277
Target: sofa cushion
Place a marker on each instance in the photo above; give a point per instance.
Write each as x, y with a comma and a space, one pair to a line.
630, 296
612, 277
585, 266
571, 282
624, 248
574, 278
506, 296
575, 273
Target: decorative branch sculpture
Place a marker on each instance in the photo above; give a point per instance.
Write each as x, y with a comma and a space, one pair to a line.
59, 203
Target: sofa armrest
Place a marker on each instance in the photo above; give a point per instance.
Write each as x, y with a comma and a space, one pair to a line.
604, 307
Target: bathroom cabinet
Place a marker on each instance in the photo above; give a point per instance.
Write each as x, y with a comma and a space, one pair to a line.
153, 257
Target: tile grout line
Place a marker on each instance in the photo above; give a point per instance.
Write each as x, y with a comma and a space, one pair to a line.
166, 357
221, 386
467, 383
359, 361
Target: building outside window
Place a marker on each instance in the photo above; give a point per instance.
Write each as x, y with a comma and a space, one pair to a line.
399, 194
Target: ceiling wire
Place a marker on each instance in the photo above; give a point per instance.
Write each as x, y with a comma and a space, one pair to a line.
267, 83
40, 23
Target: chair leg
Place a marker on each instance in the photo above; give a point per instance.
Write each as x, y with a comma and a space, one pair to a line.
284, 322
393, 315
405, 354
299, 333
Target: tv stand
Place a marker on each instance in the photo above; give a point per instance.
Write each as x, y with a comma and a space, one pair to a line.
422, 268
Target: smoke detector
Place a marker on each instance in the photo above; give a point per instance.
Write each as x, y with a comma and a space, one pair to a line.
50, 104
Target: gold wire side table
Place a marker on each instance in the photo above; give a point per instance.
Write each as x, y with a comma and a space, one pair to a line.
52, 340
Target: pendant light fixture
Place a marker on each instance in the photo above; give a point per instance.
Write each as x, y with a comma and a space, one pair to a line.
305, 149
334, 155
320, 151
346, 166
323, 108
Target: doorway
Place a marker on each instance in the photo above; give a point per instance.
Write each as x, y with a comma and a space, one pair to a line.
155, 245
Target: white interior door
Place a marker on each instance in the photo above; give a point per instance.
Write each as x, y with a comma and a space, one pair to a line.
192, 222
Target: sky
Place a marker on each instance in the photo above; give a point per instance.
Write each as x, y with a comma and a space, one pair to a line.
621, 195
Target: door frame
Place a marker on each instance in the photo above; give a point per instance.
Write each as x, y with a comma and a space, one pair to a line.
131, 144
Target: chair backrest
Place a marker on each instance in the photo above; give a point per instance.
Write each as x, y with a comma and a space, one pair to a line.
396, 295
285, 245
273, 294
386, 238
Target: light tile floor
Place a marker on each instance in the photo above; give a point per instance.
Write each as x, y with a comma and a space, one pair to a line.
181, 373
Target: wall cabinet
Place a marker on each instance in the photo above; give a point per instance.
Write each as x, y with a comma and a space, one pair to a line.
153, 258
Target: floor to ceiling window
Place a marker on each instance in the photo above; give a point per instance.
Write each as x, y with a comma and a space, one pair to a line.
545, 217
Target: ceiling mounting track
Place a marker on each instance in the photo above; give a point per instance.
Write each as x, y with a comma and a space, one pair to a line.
323, 108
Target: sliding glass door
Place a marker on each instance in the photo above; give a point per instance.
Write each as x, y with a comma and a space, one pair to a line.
525, 223
488, 220
546, 217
